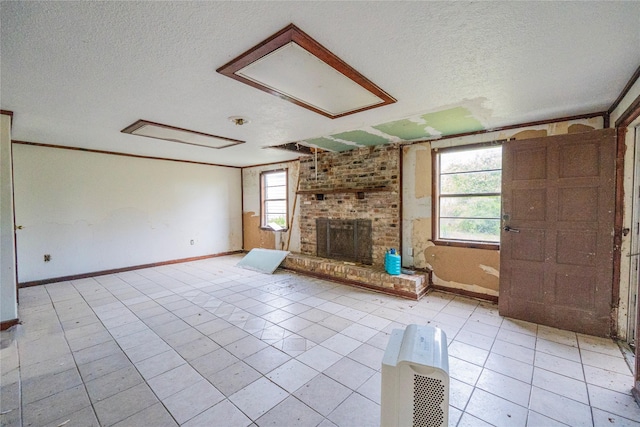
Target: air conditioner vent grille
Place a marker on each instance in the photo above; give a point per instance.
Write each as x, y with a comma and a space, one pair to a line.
428, 395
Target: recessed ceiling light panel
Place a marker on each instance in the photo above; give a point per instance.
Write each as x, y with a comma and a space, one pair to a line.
175, 134
293, 66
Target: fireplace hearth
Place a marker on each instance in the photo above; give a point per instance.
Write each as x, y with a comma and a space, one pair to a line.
344, 239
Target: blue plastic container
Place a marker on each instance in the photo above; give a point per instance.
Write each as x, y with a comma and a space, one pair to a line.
392, 262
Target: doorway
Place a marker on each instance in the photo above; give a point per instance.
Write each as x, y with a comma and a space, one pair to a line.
556, 254
634, 247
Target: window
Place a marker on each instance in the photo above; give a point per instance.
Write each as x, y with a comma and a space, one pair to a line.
467, 183
273, 199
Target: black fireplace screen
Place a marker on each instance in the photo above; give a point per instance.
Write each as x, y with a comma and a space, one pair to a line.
344, 239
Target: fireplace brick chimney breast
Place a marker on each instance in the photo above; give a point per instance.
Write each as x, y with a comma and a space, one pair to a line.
361, 184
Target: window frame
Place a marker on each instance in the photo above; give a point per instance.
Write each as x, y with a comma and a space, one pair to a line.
263, 200
435, 205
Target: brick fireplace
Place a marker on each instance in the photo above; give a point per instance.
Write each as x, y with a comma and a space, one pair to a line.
360, 185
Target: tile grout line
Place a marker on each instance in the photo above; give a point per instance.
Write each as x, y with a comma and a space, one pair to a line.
188, 278
123, 352
64, 334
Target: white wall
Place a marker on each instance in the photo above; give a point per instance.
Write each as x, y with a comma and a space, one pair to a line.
93, 212
8, 293
254, 236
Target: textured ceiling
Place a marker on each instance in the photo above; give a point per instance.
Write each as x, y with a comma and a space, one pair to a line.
76, 73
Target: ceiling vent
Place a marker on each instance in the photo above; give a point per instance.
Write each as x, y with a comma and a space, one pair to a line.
295, 67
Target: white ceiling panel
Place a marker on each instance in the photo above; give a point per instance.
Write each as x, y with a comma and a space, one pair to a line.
76, 73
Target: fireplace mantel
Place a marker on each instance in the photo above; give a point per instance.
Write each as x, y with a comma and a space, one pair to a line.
344, 190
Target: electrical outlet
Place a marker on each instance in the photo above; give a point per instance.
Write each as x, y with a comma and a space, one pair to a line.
47, 257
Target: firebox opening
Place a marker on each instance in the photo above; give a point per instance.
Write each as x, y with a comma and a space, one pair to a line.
345, 239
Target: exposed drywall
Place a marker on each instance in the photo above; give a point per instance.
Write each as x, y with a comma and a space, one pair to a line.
466, 116
361, 137
254, 236
416, 202
474, 270
94, 212
557, 128
8, 294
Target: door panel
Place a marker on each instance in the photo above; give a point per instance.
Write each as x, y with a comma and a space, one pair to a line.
576, 248
530, 247
558, 199
529, 204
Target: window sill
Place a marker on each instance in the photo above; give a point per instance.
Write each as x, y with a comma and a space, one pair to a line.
467, 244
271, 229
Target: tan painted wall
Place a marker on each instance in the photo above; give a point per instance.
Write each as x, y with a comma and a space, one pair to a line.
254, 236
474, 270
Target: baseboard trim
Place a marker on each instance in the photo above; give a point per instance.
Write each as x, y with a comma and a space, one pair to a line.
6, 324
355, 283
465, 293
121, 270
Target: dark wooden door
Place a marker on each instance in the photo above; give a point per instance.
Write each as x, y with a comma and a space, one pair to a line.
556, 247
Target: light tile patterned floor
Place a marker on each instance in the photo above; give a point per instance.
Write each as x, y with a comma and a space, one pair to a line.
209, 344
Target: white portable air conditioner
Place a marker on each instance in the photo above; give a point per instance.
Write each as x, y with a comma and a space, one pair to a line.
415, 378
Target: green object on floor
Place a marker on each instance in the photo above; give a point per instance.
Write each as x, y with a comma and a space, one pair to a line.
263, 260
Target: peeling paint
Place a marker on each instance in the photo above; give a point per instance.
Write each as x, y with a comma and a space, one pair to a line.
475, 270
465, 266
558, 128
420, 238
423, 169
455, 285
361, 137
578, 127
530, 133
490, 270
